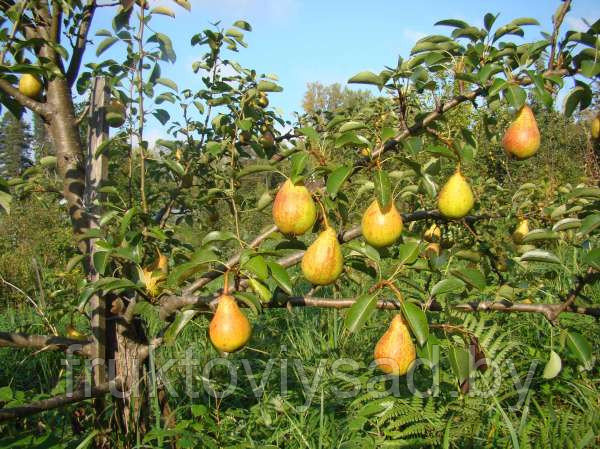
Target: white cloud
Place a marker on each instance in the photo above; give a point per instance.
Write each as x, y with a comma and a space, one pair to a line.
412, 35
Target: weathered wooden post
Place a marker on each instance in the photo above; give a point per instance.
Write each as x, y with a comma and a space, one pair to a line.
96, 172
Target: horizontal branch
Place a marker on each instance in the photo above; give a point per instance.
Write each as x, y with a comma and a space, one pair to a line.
170, 304
81, 394
233, 261
41, 109
45, 342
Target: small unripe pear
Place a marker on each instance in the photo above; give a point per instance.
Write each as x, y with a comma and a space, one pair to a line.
456, 197
30, 85
433, 234
395, 350
294, 211
521, 231
595, 127
323, 261
381, 227
229, 329
522, 138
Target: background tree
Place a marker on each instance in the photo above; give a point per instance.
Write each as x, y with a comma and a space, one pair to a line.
328, 98
15, 142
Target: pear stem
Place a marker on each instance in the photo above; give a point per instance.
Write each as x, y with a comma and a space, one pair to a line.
226, 283
324, 214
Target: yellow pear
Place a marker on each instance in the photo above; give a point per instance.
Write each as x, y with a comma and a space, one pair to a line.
323, 261
521, 231
395, 350
456, 197
294, 211
115, 114
522, 138
229, 329
30, 85
596, 127
433, 234
381, 227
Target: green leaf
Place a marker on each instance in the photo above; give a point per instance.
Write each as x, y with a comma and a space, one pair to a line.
258, 266
515, 95
184, 4
311, 133
460, 362
105, 44
539, 255
567, 223
73, 261
360, 311
261, 290
161, 115
5, 200
168, 83
383, 188
336, 179
471, 276
417, 320
351, 125
125, 222
364, 249
298, 161
181, 319
281, 276
408, 253
100, 258
243, 25
268, 86
592, 258
581, 349
163, 10
450, 285
250, 299
6, 394
553, 366
175, 167
452, 23
217, 236
366, 78
536, 235
589, 223
48, 161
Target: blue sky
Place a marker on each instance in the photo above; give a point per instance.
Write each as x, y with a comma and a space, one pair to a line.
330, 40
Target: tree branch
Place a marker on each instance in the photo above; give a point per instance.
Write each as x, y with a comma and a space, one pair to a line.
81, 43
45, 342
42, 109
86, 392
170, 304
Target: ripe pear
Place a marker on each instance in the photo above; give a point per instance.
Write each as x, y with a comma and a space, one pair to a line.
395, 350
229, 329
294, 211
522, 138
456, 197
115, 114
30, 85
381, 227
521, 231
323, 261
433, 234
595, 128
